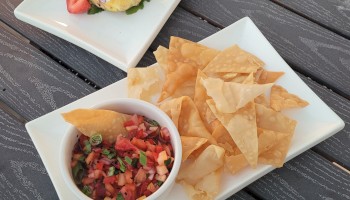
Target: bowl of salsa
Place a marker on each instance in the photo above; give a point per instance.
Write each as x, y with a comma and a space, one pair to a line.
143, 162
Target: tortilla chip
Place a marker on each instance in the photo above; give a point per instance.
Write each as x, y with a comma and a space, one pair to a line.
229, 97
283, 127
186, 117
242, 127
184, 59
222, 136
249, 79
199, 168
200, 98
268, 139
261, 99
161, 55
268, 77
105, 122
235, 163
189, 144
145, 83
234, 59
210, 184
280, 99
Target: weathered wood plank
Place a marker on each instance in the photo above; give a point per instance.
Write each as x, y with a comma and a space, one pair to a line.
308, 176
241, 195
85, 63
31, 83
22, 174
307, 47
336, 148
332, 14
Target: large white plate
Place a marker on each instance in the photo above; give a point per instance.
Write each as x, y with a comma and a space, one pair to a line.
118, 38
316, 122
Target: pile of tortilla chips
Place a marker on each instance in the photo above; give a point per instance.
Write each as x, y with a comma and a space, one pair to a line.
217, 100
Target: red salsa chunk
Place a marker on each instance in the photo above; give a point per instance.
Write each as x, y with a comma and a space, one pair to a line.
135, 166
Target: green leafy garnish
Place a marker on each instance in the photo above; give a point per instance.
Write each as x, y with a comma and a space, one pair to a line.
94, 9
81, 159
167, 162
78, 173
128, 160
105, 152
120, 196
121, 165
111, 171
111, 155
96, 139
143, 158
87, 190
87, 147
159, 183
134, 9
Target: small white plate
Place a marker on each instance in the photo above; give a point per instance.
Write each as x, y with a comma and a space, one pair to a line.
316, 122
118, 38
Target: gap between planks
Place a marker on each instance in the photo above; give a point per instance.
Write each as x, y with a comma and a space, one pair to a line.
310, 19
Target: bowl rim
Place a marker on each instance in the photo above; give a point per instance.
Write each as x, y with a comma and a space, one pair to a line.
174, 135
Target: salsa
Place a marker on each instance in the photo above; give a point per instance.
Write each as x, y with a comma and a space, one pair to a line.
133, 167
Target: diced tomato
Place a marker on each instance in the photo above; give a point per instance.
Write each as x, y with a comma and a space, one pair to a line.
123, 144
164, 133
128, 176
129, 123
147, 193
99, 166
159, 149
140, 176
140, 119
139, 143
142, 188
140, 134
129, 191
109, 179
78, 6
150, 147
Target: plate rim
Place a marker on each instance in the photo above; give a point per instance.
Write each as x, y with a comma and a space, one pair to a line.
337, 125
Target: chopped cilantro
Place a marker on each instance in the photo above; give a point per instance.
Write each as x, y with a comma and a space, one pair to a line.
121, 165
105, 152
134, 9
94, 9
120, 196
128, 160
143, 158
111, 171
167, 162
134, 162
159, 183
86, 190
111, 155
87, 147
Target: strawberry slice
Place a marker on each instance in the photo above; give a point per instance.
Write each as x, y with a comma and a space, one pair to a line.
78, 6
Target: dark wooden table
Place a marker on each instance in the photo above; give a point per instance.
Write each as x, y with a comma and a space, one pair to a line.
40, 73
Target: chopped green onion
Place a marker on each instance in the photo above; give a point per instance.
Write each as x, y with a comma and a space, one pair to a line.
143, 158
111, 155
128, 160
105, 152
96, 139
167, 162
121, 165
86, 190
120, 196
87, 147
111, 171
134, 162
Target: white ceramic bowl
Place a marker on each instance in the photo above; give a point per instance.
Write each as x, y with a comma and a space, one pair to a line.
129, 106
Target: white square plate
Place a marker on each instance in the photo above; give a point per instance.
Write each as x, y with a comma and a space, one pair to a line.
118, 38
316, 122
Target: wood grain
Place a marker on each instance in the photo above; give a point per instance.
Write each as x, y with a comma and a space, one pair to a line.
336, 148
22, 174
308, 176
332, 14
31, 83
307, 47
87, 64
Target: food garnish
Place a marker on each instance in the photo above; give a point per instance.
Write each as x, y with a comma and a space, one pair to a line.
220, 103
132, 165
